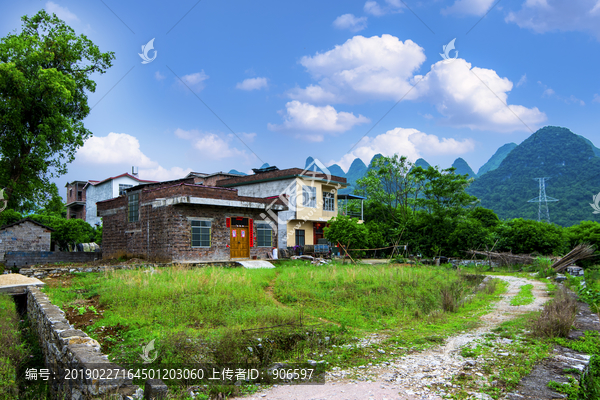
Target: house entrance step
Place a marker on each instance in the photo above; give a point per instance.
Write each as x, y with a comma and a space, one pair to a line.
254, 264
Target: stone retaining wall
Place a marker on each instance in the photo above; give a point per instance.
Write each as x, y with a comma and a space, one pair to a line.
66, 348
49, 270
535, 385
24, 258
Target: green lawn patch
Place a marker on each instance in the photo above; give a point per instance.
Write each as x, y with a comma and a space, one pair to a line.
524, 297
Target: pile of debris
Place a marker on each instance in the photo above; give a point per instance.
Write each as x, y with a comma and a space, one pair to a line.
313, 260
504, 259
580, 252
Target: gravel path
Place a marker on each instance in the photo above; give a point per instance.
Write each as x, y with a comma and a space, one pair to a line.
408, 377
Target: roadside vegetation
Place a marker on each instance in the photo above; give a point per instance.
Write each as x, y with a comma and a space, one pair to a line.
294, 313
19, 350
524, 297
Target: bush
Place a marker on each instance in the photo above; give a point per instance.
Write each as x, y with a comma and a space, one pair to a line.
523, 236
557, 317
452, 296
11, 351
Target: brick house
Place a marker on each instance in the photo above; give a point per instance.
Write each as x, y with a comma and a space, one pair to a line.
184, 221
24, 235
83, 195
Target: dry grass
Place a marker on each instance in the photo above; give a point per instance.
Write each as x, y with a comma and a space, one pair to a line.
557, 317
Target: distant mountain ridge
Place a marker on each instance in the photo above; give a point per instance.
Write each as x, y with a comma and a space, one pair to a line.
567, 159
495, 161
462, 168
506, 181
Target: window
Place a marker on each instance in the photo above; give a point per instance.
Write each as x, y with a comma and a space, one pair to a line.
122, 188
328, 201
264, 234
79, 195
133, 206
299, 237
309, 196
201, 233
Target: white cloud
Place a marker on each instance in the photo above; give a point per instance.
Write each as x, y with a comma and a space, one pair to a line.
115, 148
551, 15
596, 98
574, 100
406, 142
158, 76
362, 68
61, 12
195, 81
211, 145
350, 22
161, 174
252, 84
383, 68
248, 137
522, 81
373, 7
549, 92
300, 117
475, 98
468, 7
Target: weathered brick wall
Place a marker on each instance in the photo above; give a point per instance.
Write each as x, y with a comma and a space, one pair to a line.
164, 233
24, 236
26, 258
65, 347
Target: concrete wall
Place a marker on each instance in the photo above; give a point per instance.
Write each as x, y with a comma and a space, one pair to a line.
123, 180
269, 189
24, 236
27, 258
96, 193
298, 214
65, 347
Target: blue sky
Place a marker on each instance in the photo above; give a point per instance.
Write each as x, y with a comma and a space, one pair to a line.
235, 83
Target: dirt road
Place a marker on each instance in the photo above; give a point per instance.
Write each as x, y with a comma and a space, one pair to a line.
408, 377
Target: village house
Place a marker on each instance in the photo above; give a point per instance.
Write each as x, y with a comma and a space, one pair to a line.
186, 221
24, 235
82, 196
311, 196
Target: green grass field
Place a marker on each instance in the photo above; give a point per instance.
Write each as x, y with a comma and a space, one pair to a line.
216, 307
292, 313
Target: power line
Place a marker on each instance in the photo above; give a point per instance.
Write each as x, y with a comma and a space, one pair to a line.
543, 200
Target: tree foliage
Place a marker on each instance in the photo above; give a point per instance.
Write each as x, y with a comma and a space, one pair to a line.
67, 231
522, 236
347, 231
45, 74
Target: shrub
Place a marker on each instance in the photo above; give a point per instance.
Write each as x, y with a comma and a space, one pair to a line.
452, 296
557, 317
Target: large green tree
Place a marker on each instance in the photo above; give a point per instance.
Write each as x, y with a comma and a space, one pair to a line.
45, 74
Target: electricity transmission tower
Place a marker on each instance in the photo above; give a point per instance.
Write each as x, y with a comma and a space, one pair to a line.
543, 200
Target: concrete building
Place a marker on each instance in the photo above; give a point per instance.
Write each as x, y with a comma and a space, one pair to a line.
82, 196
187, 222
311, 197
201, 178
24, 235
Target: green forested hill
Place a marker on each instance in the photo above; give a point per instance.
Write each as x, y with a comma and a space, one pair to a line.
463, 168
554, 152
495, 161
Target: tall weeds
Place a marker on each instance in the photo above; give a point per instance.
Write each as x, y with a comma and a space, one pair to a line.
557, 317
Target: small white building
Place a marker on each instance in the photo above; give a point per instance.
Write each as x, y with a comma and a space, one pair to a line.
84, 205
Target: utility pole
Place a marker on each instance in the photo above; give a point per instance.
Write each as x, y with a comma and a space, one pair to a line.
543, 200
